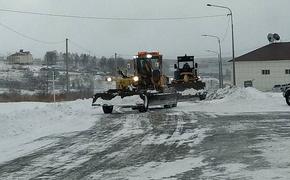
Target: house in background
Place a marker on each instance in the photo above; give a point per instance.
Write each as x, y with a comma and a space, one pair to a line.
21, 57
265, 67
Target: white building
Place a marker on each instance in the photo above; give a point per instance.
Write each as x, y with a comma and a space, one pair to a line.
21, 57
265, 67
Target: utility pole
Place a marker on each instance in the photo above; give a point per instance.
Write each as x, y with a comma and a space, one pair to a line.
220, 65
66, 62
233, 40
53, 85
47, 75
221, 81
115, 72
219, 62
233, 49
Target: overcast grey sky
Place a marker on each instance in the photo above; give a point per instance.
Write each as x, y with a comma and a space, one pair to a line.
253, 20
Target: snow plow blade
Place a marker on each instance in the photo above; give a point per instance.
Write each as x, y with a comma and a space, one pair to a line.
191, 95
140, 101
191, 91
197, 97
180, 87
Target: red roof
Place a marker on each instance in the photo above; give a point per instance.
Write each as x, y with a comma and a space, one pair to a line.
270, 52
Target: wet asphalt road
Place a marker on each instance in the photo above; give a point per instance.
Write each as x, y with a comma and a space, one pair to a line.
164, 144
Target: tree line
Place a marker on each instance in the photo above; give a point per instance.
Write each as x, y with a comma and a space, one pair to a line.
84, 62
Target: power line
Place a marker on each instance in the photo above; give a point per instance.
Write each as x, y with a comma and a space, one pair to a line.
83, 48
111, 18
227, 30
28, 37
79, 46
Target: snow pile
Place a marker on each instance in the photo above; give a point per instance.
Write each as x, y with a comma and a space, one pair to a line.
247, 94
219, 93
238, 100
237, 93
23, 123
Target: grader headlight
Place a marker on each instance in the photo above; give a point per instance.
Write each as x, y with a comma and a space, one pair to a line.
149, 56
109, 79
136, 78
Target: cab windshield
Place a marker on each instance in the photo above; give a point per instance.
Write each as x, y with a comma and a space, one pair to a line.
145, 64
155, 64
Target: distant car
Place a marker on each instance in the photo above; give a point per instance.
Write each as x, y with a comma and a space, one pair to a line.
277, 88
280, 87
286, 93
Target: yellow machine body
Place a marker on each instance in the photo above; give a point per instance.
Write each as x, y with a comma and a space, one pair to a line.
124, 83
187, 77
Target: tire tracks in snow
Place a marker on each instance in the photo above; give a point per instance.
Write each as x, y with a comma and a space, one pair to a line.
114, 143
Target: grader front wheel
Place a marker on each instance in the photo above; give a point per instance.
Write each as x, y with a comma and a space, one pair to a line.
107, 109
144, 107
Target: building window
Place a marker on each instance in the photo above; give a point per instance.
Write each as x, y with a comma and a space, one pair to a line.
287, 71
266, 72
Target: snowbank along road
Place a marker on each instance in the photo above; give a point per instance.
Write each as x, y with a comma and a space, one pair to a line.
244, 135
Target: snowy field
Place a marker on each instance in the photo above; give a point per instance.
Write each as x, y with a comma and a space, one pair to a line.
235, 134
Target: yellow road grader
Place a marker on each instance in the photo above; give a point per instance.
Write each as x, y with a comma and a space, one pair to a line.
187, 81
147, 87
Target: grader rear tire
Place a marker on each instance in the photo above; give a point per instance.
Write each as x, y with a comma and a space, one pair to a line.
167, 106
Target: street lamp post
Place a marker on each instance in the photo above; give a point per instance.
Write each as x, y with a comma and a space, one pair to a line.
220, 77
221, 81
233, 41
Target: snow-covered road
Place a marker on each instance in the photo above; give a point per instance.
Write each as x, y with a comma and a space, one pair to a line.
245, 135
